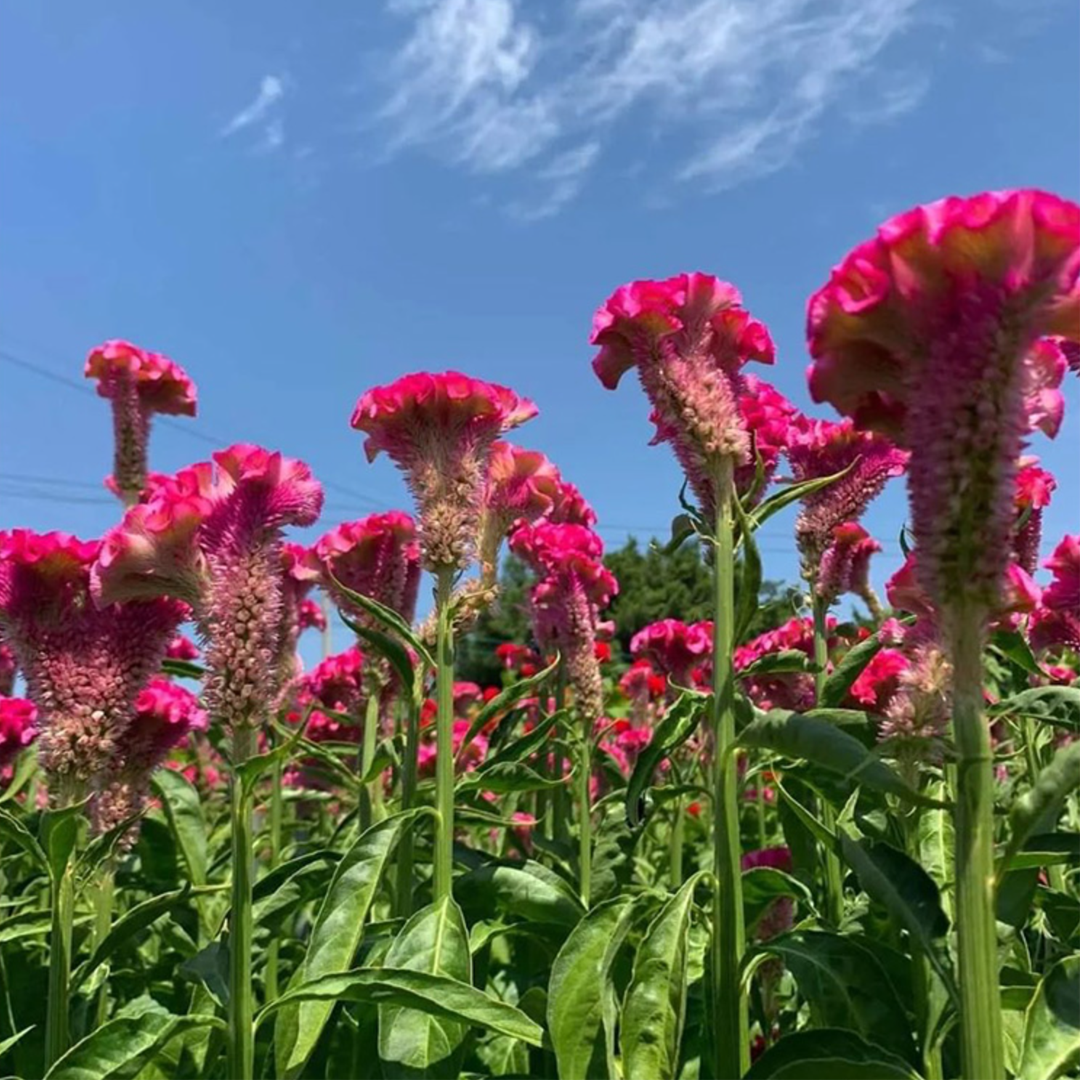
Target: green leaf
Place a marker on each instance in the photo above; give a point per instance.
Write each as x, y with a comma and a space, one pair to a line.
776, 663
12, 1040
183, 669
505, 700
13, 830
909, 894
1046, 849
210, 968
527, 745
581, 994
184, 814
103, 847
59, 831
389, 647
682, 528
818, 741
792, 493
390, 619
251, 770
843, 676
845, 985
1052, 1024
763, 885
813, 825
123, 1046
679, 722
289, 885
26, 765
1059, 705
24, 925
336, 934
1042, 802
435, 995
509, 776
654, 1009
829, 1052
436, 942
530, 891
1014, 646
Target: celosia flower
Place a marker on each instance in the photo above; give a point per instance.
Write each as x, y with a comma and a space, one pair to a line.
213, 538
1034, 486
439, 430
878, 681
18, 727
844, 566
138, 383
574, 584
571, 507
336, 682
296, 581
768, 417
673, 646
182, 648
1057, 620
781, 690
84, 664
919, 710
689, 338
378, 557
926, 333
514, 657
820, 448
779, 916
8, 668
312, 616
466, 762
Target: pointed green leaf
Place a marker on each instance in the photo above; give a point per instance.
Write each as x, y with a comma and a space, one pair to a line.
184, 813
289, 885
1059, 705
210, 968
792, 493
183, 669
529, 891
851, 666
26, 765
59, 832
763, 885
777, 663
387, 646
507, 776
12, 1040
1052, 1024
13, 830
527, 745
389, 618
829, 1052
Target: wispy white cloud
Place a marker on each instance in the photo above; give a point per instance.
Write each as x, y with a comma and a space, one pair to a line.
730, 89
262, 113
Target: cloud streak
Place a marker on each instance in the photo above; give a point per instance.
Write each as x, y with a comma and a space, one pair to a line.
261, 113
727, 90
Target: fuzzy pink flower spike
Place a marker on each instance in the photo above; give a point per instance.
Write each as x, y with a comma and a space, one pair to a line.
439, 430
84, 665
1034, 487
8, 668
1056, 622
212, 537
929, 333
138, 383
689, 338
845, 567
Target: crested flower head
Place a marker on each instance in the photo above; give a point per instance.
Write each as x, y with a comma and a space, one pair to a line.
211, 536
84, 664
311, 616
18, 727
845, 563
570, 507
335, 682
688, 337
439, 430
770, 420
821, 448
138, 383
1056, 622
1034, 486
377, 556
879, 680
930, 334
674, 646
182, 648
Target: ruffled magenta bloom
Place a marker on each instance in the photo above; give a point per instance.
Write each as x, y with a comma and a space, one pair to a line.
138, 383
573, 586
84, 664
878, 681
688, 337
518, 658
674, 647
844, 566
929, 333
312, 616
820, 448
212, 537
769, 418
439, 430
8, 668
182, 648
336, 682
571, 507
18, 727
1034, 487
378, 557
1056, 622
474, 754
297, 580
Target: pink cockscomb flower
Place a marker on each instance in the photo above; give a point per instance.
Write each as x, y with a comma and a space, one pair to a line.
929, 334
571, 507
1034, 486
573, 586
844, 566
377, 557
821, 448
8, 668
770, 420
84, 664
18, 727
297, 579
138, 383
878, 681
674, 646
1056, 622
211, 536
688, 337
312, 616
182, 648
439, 430
916, 715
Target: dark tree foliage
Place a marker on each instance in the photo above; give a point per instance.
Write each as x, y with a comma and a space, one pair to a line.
653, 584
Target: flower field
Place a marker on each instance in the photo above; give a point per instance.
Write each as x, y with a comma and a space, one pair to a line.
844, 846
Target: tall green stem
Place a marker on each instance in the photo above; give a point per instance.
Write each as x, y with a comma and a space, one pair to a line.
103, 909
241, 1010
675, 838
834, 881
982, 1052
728, 938
444, 736
559, 800
584, 773
371, 796
277, 814
404, 891
62, 897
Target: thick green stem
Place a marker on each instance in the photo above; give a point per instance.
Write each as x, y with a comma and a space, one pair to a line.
444, 736
982, 1051
371, 796
103, 909
675, 838
728, 938
241, 1009
277, 808
62, 900
584, 773
403, 893
834, 880
559, 802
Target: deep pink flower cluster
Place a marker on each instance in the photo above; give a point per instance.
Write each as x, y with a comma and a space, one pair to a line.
844, 566
18, 727
466, 762
930, 333
518, 658
182, 648
573, 586
781, 690
1056, 621
768, 417
689, 338
1034, 487
312, 616
138, 383
336, 683
879, 680
439, 430
675, 647
779, 916
84, 664
211, 536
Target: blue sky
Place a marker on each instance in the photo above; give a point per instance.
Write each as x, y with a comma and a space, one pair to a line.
298, 201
